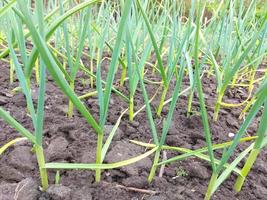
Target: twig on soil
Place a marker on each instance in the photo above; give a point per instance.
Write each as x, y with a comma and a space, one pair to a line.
18, 190
151, 192
161, 171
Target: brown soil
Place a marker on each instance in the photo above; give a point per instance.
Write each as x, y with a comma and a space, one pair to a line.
73, 140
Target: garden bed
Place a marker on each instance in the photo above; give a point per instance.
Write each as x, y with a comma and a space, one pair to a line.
74, 141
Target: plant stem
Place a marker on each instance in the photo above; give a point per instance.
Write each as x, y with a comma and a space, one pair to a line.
11, 72
70, 110
41, 163
163, 96
123, 76
245, 110
251, 81
211, 185
154, 167
98, 156
37, 75
234, 80
92, 71
246, 169
189, 107
131, 109
218, 106
261, 134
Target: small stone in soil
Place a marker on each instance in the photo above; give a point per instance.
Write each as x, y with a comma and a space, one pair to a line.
231, 135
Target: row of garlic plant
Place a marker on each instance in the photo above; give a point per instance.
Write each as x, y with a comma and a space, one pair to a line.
58, 73
219, 175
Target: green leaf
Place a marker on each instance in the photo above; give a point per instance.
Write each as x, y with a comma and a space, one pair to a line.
231, 167
252, 113
23, 83
110, 136
54, 70
99, 166
10, 143
115, 55
13, 123
54, 25
154, 42
203, 109
42, 88
6, 8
